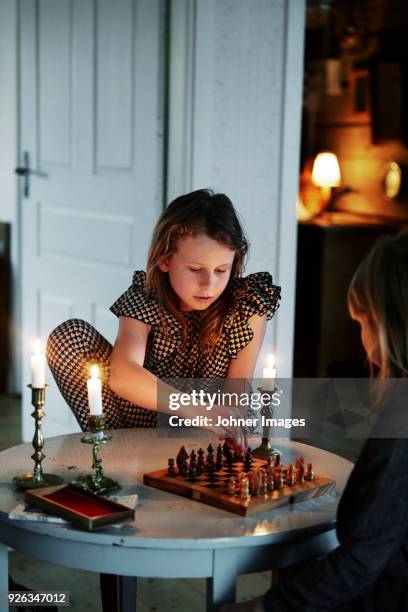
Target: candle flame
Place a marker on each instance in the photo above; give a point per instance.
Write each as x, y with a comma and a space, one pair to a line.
270, 361
37, 347
94, 372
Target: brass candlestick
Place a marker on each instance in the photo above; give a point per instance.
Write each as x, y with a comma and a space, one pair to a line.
265, 450
98, 482
37, 479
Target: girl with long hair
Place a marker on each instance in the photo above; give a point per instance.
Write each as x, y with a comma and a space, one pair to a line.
191, 315
368, 571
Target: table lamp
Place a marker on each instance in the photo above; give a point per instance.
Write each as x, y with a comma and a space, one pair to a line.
326, 175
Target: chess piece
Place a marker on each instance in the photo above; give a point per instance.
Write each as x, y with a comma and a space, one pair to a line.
278, 478
248, 460
270, 480
210, 456
171, 469
226, 448
219, 462
262, 481
277, 461
254, 482
181, 461
300, 470
192, 470
193, 458
245, 488
229, 459
232, 487
309, 474
282, 479
290, 475
200, 461
239, 454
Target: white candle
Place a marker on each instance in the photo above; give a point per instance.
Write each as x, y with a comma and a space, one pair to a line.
269, 374
37, 367
94, 385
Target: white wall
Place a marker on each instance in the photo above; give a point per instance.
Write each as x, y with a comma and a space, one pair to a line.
235, 101
8, 154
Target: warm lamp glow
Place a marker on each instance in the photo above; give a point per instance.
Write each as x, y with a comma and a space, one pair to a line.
326, 170
392, 180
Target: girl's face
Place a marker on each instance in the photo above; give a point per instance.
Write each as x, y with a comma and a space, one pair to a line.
199, 270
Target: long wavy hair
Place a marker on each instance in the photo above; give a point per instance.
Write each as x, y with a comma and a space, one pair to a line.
199, 212
379, 292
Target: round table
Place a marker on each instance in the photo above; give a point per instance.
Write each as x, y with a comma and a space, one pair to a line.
171, 536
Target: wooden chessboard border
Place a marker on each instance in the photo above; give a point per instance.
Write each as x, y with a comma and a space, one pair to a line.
197, 491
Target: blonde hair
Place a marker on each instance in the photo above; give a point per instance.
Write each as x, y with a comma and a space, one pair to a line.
379, 292
199, 212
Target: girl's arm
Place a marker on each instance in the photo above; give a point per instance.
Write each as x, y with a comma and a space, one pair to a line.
128, 377
133, 382
244, 364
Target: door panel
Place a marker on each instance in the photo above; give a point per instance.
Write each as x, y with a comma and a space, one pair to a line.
91, 121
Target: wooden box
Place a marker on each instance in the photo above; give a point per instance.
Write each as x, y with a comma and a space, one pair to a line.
83, 509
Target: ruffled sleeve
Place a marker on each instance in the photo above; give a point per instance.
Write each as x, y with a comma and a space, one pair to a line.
136, 303
253, 294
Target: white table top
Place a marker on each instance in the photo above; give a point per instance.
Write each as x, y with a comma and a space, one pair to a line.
164, 520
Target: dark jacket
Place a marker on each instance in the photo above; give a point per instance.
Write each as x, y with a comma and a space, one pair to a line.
368, 571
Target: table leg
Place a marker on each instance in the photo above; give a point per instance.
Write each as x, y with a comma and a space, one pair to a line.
3, 578
221, 587
127, 593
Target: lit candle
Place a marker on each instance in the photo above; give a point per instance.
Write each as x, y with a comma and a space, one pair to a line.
94, 392
37, 367
269, 374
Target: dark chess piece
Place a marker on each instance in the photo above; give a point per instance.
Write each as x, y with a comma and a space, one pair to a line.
171, 471
229, 459
181, 461
227, 447
192, 473
193, 458
248, 460
200, 462
210, 458
277, 461
219, 462
239, 454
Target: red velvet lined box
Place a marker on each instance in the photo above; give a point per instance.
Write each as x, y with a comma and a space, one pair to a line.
79, 507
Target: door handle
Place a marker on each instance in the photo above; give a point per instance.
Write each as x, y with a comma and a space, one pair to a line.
25, 171
22, 171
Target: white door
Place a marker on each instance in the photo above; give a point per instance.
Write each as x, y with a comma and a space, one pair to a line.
91, 101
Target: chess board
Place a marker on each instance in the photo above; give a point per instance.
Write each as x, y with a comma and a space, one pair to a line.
212, 488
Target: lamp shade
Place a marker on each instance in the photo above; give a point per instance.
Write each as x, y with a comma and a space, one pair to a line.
326, 170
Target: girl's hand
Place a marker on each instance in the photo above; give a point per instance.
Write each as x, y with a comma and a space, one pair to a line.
228, 428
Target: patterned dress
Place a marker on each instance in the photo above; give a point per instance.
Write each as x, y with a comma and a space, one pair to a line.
75, 344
